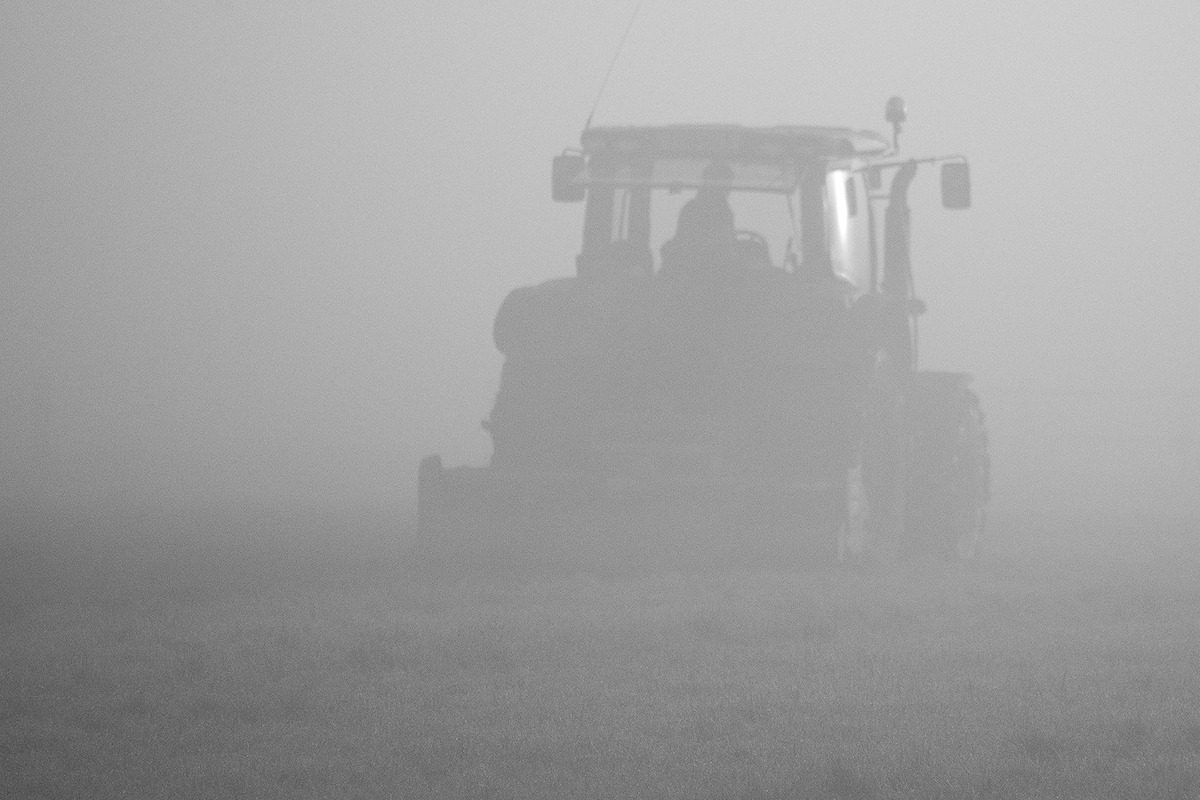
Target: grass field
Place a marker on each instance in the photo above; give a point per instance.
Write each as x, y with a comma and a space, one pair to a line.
300, 658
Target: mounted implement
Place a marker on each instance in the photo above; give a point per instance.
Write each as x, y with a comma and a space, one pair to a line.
731, 375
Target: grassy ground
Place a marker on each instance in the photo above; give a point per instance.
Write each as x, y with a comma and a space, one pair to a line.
306, 661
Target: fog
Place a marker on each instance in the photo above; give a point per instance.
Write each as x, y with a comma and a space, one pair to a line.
254, 252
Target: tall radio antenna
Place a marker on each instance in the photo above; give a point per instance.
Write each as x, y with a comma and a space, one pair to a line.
613, 63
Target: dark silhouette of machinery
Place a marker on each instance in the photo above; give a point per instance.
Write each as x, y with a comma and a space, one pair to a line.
717, 398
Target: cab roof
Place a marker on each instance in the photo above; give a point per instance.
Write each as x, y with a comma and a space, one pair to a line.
733, 141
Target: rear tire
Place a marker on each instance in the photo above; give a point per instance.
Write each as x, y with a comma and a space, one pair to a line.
950, 477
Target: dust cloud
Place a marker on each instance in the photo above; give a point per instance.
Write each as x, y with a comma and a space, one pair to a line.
252, 253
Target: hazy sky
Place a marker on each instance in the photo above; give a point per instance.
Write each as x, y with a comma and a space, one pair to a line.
256, 249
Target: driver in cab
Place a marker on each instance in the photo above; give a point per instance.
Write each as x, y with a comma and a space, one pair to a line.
705, 233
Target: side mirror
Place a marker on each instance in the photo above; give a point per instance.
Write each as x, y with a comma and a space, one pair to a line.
956, 185
566, 177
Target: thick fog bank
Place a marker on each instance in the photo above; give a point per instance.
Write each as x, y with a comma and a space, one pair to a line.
253, 254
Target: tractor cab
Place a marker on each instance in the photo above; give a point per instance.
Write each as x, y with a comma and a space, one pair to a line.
803, 200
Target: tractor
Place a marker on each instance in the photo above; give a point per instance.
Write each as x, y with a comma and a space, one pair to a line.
730, 375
